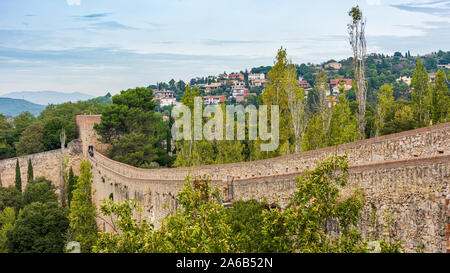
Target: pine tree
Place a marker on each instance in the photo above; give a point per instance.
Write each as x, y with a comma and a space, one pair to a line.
18, 181
30, 175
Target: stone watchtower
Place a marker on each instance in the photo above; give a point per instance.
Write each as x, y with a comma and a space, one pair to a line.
88, 135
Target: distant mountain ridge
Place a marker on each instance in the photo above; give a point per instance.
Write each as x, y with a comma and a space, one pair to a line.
13, 107
47, 97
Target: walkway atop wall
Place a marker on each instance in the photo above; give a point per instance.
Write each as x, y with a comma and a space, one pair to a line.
428, 143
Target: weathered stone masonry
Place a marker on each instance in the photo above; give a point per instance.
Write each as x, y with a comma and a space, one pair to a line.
405, 173
46, 164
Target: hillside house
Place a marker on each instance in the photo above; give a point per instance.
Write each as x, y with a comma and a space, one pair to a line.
214, 99
212, 86
333, 65
256, 76
162, 93
237, 76
347, 83
404, 79
258, 82
304, 84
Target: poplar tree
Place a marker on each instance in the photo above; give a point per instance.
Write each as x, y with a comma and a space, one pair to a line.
296, 105
421, 94
385, 101
18, 181
343, 125
356, 31
186, 149
440, 99
322, 87
275, 94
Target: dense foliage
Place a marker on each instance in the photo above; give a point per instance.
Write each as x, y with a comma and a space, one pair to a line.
40, 228
135, 133
26, 134
83, 227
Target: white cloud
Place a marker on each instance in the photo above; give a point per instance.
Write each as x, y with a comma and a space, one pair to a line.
73, 2
373, 2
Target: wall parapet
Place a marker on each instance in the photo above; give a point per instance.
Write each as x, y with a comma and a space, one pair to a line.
428, 141
46, 164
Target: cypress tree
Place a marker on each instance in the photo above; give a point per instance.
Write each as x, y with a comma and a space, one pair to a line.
82, 210
30, 175
18, 181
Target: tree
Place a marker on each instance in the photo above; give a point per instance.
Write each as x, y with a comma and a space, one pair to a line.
343, 125
18, 181
82, 210
356, 30
385, 100
229, 151
7, 223
246, 221
172, 84
197, 226
430, 63
440, 99
22, 122
186, 148
134, 149
421, 94
275, 94
402, 119
53, 128
10, 197
31, 141
296, 105
322, 87
41, 192
315, 137
30, 175
71, 181
315, 205
40, 228
129, 124
136, 235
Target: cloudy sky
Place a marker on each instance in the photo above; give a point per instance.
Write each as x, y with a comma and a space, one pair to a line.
96, 46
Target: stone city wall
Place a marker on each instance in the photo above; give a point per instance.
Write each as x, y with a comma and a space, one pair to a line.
413, 191
431, 140
406, 174
46, 164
